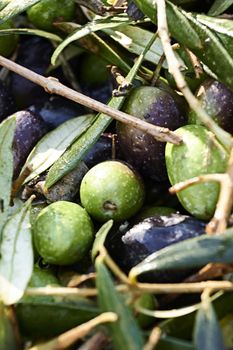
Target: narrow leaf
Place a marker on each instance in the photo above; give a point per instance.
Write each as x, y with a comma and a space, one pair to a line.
16, 262
8, 336
125, 332
207, 332
14, 8
100, 238
31, 31
192, 252
219, 6
134, 40
7, 128
90, 27
54, 144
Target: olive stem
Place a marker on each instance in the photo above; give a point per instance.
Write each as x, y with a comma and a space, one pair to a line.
154, 338
53, 86
64, 340
223, 136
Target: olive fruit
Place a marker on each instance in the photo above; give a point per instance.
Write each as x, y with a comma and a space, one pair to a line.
217, 100
29, 130
63, 233
151, 235
92, 70
42, 277
34, 53
7, 103
111, 190
8, 43
158, 107
56, 110
46, 12
200, 153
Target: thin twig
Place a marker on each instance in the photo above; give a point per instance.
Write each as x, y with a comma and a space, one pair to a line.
173, 65
53, 86
195, 63
153, 339
97, 342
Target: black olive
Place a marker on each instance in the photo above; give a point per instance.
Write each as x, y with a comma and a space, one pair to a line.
7, 103
151, 235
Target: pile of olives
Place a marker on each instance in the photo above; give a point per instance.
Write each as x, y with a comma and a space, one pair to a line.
127, 173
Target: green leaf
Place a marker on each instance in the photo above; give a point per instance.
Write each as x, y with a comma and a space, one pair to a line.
171, 343
195, 36
207, 332
125, 332
14, 8
100, 238
134, 39
79, 148
90, 27
55, 143
7, 128
8, 338
219, 6
31, 31
16, 262
34, 314
194, 252
223, 28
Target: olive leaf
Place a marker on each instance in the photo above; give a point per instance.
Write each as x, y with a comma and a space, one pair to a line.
98, 46
125, 332
194, 252
81, 146
219, 6
90, 27
8, 338
100, 238
54, 144
195, 36
14, 7
7, 128
134, 40
172, 343
16, 263
34, 314
223, 28
31, 31
207, 332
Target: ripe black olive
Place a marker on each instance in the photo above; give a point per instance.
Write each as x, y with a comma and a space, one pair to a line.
56, 110
217, 100
30, 128
7, 103
34, 53
151, 235
157, 107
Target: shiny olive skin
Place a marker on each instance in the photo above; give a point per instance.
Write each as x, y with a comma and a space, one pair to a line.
217, 100
151, 235
7, 103
29, 130
141, 150
56, 110
34, 53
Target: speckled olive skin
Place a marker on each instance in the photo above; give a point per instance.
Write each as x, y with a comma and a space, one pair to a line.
111, 190
200, 153
151, 235
7, 103
63, 233
157, 107
217, 100
29, 130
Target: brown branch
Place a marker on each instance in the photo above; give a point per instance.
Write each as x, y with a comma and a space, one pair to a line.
198, 179
53, 86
